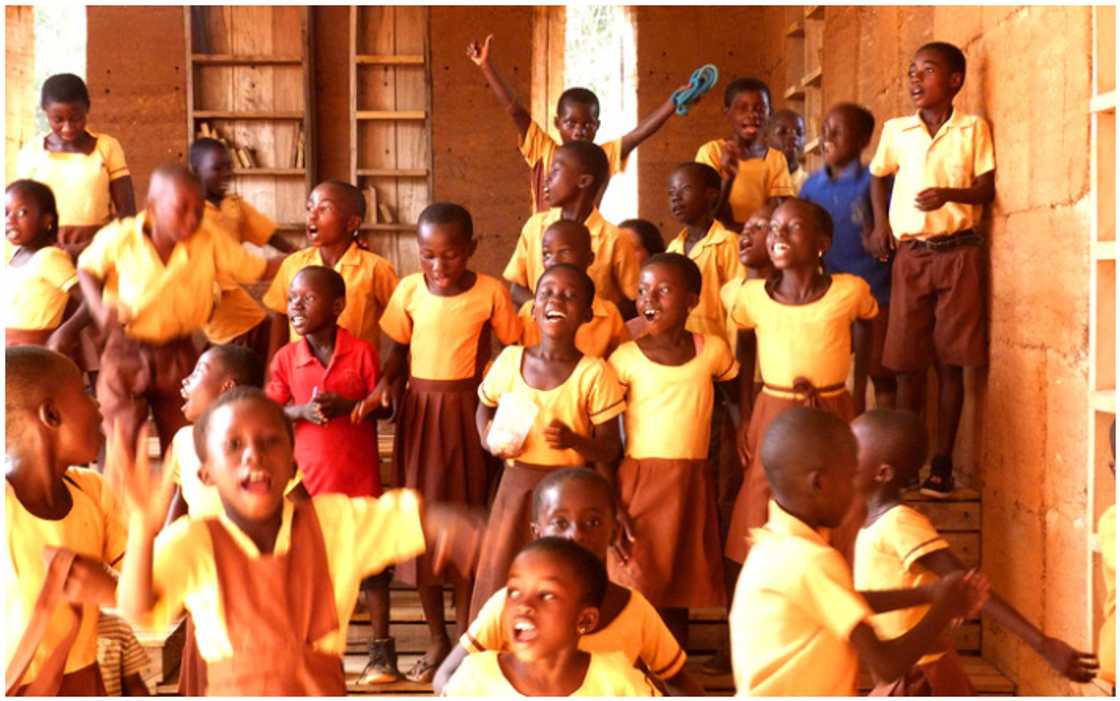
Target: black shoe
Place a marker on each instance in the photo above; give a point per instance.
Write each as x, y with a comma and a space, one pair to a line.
382, 666
939, 484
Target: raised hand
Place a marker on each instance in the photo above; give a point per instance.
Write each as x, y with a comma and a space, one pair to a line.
145, 495
1072, 664
480, 53
559, 436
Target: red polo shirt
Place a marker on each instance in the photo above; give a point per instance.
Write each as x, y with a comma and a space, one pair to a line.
339, 456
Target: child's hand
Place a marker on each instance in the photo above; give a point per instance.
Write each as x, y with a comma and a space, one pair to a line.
741, 441
559, 436
480, 53
624, 541
146, 495
881, 241
728, 160
89, 581
331, 404
368, 405
1073, 664
965, 593
311, 412
931, 198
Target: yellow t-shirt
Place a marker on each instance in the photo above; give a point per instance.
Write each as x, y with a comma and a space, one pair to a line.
608, 674
1106, 647
669, 408
717, 256
804, 340
954, 157
538, 148
94, 528
793, 614
362, 536
727, 295
370, 280
637, 632
36, 292
590, 395
758, 179
886, 557
614, 270
165, 300
597, 338
237, 311
80, 181
797, 178
443, 333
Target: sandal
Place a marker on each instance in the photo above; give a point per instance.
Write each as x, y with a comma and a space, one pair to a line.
382, 666
717, 664
423, 670
939, 484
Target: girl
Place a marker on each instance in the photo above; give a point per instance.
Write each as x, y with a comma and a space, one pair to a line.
555, 593
41, 283
645, 239
577, 398
664, 483
440, 321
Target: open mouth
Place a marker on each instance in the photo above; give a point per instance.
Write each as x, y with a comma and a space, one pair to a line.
312, 231
916, 93
554, 315
524, 630
650, 314
257, 482
779, 248
297, 319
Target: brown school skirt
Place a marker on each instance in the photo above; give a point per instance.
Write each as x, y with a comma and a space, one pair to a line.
437, 452
86, 681
192, 668
752, 505
943, 677
675, 560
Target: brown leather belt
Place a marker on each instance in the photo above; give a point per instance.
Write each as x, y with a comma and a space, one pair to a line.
964, 237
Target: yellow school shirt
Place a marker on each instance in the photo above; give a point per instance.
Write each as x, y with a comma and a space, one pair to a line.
443, 333
793, 614
1106, 647
804, 340
614, 270
960, 151
597, 338
608, 674
637, 632
370, 280
237, 312
362, 536
758, 179
886, 557
36, 292
80, 181
94, 528
590, 395
727, 295
165, 301
717, 256
797, 178
539, 148
669, 408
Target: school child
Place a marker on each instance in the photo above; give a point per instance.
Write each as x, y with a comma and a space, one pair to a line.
664, 483
149, 283
63, 528
752, 173
798, 625
898, 548
1106, 539
944, 167
577, 119
785, 131
645, 238
843, 188
270, 584
40, 282
580, 505
802, 327
237, 313
121, 659
578, 171
335, 211
86, 170
441, 321
577, 399
555, 594
570, 242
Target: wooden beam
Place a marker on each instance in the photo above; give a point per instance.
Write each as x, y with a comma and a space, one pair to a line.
388, 60
225, 114
414, 115
233, 60
393, 172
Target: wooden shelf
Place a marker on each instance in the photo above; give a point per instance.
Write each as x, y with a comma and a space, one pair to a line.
389, 60
1103, 250
795, 92
300, 172
222, 114
387, 227
814, 12
1104, 401
1105, 102
393, 172
234, 60
813, 145
796, 29
384, 115
812, 78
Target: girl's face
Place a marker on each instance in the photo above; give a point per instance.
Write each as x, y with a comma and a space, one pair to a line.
690, 199
752, 241
561, 244
543, 614
640, 252
248, 458
577, 511
564, 180
561, 304
444, 254
747, 113
26, 222
203, 386
664, 299
793, 242
67, 119
215, 169
328, 220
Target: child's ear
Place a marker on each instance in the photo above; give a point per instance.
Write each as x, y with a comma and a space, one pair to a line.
227, 384
587, 620
534, 530
885, 473
50, 222
556, 121
956, 80
204, 475
585, 180
337, 306
816, 481
693, 300
353, 224
49, 414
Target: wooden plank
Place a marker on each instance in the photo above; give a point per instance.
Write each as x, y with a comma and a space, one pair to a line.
353, 71
256, 115
387, 59
394, 115
377, 139
413, 139
795, 92
393, 172
260, 172
232, 60
966, 546
289, 35
254, 92
795, 29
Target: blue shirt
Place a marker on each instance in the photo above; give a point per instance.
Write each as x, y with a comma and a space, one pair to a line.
847, 197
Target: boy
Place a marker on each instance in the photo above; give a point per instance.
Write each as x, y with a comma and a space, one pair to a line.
149, 283
335, 211
751, 172
121, 658
944, 168
570, 242
798, 626
899, 548
63, 526
843, 188
578, 172
785, 131
577, 119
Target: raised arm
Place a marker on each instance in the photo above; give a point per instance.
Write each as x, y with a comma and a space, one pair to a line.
480, 54
648, 126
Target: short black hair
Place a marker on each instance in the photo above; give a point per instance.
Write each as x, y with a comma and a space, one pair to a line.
801, 438
748, 84
584, 278
693, 279
777, 115
43, 196
200, 148
901, 440
818, 215
591, 159
243, 364
648, 233
590, 570
579, 96
335, 283
237, 394
952, 55
444, 213
64, 88
352, 193
707, 174
861, 118
555, 478
570, 225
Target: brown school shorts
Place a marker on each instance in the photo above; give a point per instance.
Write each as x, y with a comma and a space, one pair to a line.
937, 309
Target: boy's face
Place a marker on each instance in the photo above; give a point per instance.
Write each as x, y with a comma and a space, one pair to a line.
932, 83
215, 169
664, 299
543, 613
576, 122
841, 141
176, 211
311, 305
445, 252
67, 119
787, 134
577, 511
563, 242
561, 304
79, 428
752, 241
640, 252
249, 459
330, 220
24, 221
690, 199
203, 386
793, 241
565, 180
748, 113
